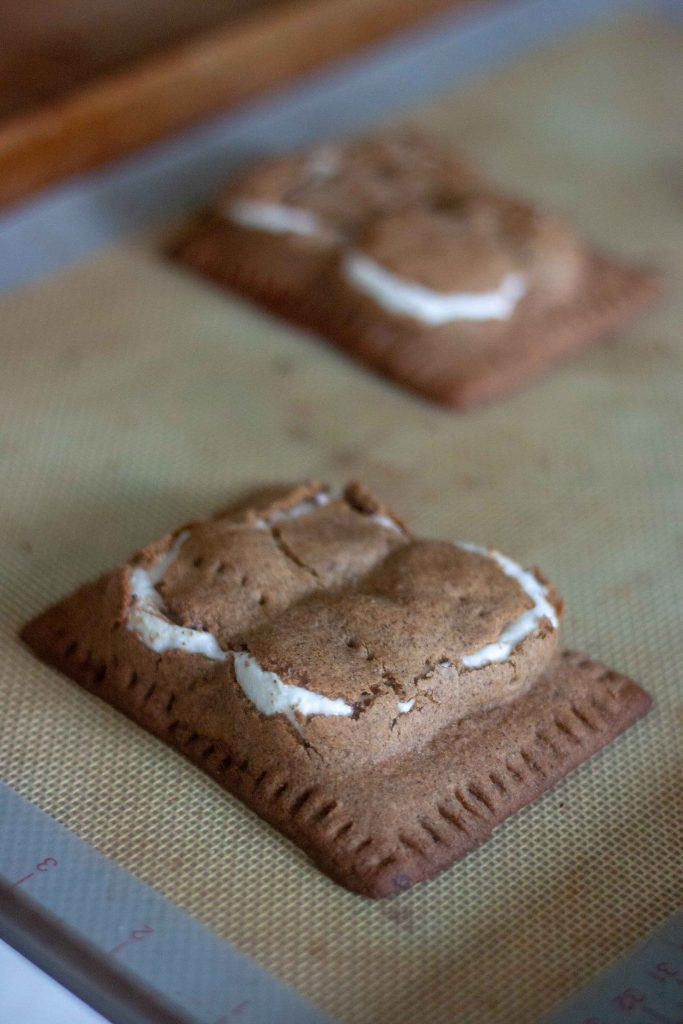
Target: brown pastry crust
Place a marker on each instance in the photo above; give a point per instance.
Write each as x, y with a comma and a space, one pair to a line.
234, 255
440, 250
339, 602
423, 215
371, 176
346, 184
486, 359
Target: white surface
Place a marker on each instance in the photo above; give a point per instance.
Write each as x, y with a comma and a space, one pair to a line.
27, 996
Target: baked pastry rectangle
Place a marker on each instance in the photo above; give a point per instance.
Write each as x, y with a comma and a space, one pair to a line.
384, 701
400, 253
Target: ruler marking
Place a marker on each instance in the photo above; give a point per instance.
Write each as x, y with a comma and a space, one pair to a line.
45, 865
654, 996
136, 935
174, 953
42, 866
205, 974
22, 880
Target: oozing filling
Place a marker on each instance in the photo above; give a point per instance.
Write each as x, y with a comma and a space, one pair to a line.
267, 690
319, 500
271, 696
276, 217
407, 298
146, 613
390, 291
303, 508
528, 621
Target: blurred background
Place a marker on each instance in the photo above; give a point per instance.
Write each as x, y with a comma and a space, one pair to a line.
85, 84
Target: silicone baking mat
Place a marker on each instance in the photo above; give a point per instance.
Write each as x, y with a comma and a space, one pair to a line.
135, 395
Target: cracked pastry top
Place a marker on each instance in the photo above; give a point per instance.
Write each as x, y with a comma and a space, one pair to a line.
327, 619
413, 227
474, 260
401, 254
316, 658
327, 193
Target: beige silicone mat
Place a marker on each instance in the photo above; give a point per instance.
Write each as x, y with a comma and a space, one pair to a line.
135, 396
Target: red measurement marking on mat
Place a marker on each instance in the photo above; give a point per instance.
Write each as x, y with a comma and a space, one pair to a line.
665, 972
42, 866
630, 999
236, 1011
136, 935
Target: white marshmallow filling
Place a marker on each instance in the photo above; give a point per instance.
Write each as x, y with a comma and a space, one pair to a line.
277, 218
266, 690
407, 298
319, 500
519, 629
146, 618
272, 696
302, 508
324, 163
